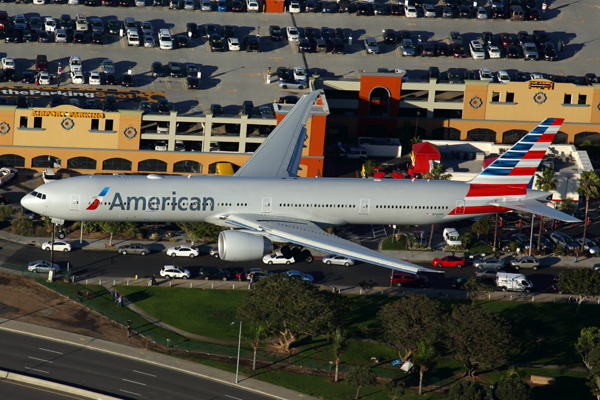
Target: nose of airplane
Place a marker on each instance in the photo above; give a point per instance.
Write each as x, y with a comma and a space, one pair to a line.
31, 203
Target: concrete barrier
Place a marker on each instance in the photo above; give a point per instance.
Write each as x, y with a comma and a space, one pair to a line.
542, 380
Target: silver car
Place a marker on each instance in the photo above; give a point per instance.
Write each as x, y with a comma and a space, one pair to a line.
134, 249
486, 273
408, 47
525, 262
140, 3
292, 84
530, 51
488, 263
42, 266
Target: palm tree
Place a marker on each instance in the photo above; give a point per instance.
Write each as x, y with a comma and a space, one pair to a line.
546, 182
257, 331
589, 185
368, 166
339, 343
424, 358
438, 172
415, 139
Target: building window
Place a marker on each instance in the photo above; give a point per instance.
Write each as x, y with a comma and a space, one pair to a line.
95, 124
45, 162
187, 166
37, 122
582, 99
481, 135
116, 164
152, 166
567, 99
444, 133
495, 97
560, 138
513, 136
510, 97
108, 125
587, 139
12, 160
81, 163
23, 122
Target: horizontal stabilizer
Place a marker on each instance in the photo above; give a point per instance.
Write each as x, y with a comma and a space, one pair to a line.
537, 208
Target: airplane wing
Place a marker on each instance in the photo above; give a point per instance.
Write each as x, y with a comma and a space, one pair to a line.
537, 208
308, 234
279, 155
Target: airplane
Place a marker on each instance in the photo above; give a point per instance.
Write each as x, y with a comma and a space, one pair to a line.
265, 202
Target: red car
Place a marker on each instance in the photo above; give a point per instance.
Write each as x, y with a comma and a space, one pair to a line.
449, 261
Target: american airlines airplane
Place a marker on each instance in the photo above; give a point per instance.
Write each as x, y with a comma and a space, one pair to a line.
265, 202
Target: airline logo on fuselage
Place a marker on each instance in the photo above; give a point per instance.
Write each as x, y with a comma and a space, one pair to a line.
153, 203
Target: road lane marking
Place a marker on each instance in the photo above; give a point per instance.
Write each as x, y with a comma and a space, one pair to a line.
231, 397
144, 373
43, 390
125, 391
38, 370
40, 359
51, 351
137, 383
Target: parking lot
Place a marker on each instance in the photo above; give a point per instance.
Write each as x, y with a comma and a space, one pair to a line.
228, 78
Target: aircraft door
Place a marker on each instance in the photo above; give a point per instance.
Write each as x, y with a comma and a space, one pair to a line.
364, 206
266, 205
74, 202
460, 207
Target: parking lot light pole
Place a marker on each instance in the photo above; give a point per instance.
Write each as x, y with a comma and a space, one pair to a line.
237, 370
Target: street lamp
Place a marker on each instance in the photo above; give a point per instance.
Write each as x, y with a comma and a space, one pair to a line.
417, 124
237, 370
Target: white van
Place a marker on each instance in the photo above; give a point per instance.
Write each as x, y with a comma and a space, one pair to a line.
506, 281
81, 23
451, 237
252, 5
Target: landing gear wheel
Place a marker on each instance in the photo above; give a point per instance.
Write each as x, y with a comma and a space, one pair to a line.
61, 234
308, 258
286, 251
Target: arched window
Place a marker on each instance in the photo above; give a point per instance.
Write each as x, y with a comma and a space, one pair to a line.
560, 138
212, 168
481, 135
45, 162
444, 133
583, 138
513, 136
81, 163
379, 101
12, 160
116, 164
152, 166
187, 166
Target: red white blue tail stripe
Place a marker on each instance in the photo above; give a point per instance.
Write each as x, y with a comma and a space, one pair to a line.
516, 167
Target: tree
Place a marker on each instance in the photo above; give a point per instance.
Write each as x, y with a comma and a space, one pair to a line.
415, 139
466, 390
438, 172
395, 389
583, 283
566, 204
6, 211
255, 333
408, 320
546, 182
290, 307
512, 388
475, 288
423, 358
360, 376
476, 338
589, 187
201, 230
339, 342
594, 385
112, 227
368, 166
588, 346
482, 226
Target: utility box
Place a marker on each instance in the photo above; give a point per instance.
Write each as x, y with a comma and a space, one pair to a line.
275, 6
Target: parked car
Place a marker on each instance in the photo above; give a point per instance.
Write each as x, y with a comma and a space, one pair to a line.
563, 240
214, 252
59, 245
173, 272
338, 260
42, 266
589, 245
300, 275
489, 263
134, 249
277, 258
400, 278
525, 262
256, 274
449, 261
183, 251
459, 283
207, 273
486, 273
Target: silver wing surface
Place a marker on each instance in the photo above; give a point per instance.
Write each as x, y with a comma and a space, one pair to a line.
307, 234
279, 155
537, 208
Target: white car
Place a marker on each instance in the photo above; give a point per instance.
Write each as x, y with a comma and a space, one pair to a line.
214, 252
183, 251
494, 52
147, 28
43, 78
277, 258
39, 2
589, 245
6, 174
299, 74
140, 3
8, 63
481, 13
74, 63
535, 77
294, 7
206, 5
59, 245
292, 33
189, 5
477, 51
49, 24
73, 2
485, 74
149, 41
233, 44
410, 11
20, 22
42, 266
338, 260
95, 78
301, 275
77, 78
503, 77
429, 10
173, 271
60, 36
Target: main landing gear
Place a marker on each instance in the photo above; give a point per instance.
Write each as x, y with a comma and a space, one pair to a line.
297, 253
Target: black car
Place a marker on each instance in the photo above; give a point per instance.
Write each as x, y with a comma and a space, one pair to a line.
498, 13
115, 26
275, 32
310, 6
442, 49
43, 37
97, 38
110, 104
534, 15
181, 41
541, 37
228, 31
12, 34
459, 283
305, 46
453, 75
209, 29
175, 70
162, 106
79, 37
283, 73
126, 80
364, 9
251, 43
29, 36
108, 3
216, 109
110, 79
389, 36
346, 6
433, 73
464, 12
338, 47
289, 99
91, 3
236, 6
310, 34
193, 82
427, 49
512, 52
521, 77
452, 3
215, 42
8, 75
157, 69
395, 9
192, 29
22, 101
125, 3
192, 70
67, 23
549, 52
36, 24
213, 273
27, 77
340, 34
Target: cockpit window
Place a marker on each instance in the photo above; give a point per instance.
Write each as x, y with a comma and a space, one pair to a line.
39, 195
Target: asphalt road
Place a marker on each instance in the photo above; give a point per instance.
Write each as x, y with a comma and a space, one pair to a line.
10, 390
229, 78
106, 373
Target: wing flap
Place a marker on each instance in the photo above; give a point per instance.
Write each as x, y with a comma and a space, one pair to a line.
308, 234
537, 208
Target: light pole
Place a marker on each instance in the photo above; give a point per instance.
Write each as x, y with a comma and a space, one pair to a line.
237, 370
417, 124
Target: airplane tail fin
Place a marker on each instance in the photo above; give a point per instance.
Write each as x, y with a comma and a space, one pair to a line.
516, 167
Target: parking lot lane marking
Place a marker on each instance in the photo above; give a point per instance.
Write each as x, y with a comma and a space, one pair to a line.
398, 53
219, 85
579, 22
37, 370
412, 24
231, 397
264, 19
93, 51
51, 351
40, 359
126, 391
594, 59
183, 84
231, 90
251, 74
137, 383
277, 59
426, 63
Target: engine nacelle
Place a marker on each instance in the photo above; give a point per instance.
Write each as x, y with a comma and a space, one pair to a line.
240, 245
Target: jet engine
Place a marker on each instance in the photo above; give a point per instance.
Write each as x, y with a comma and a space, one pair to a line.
240, 245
